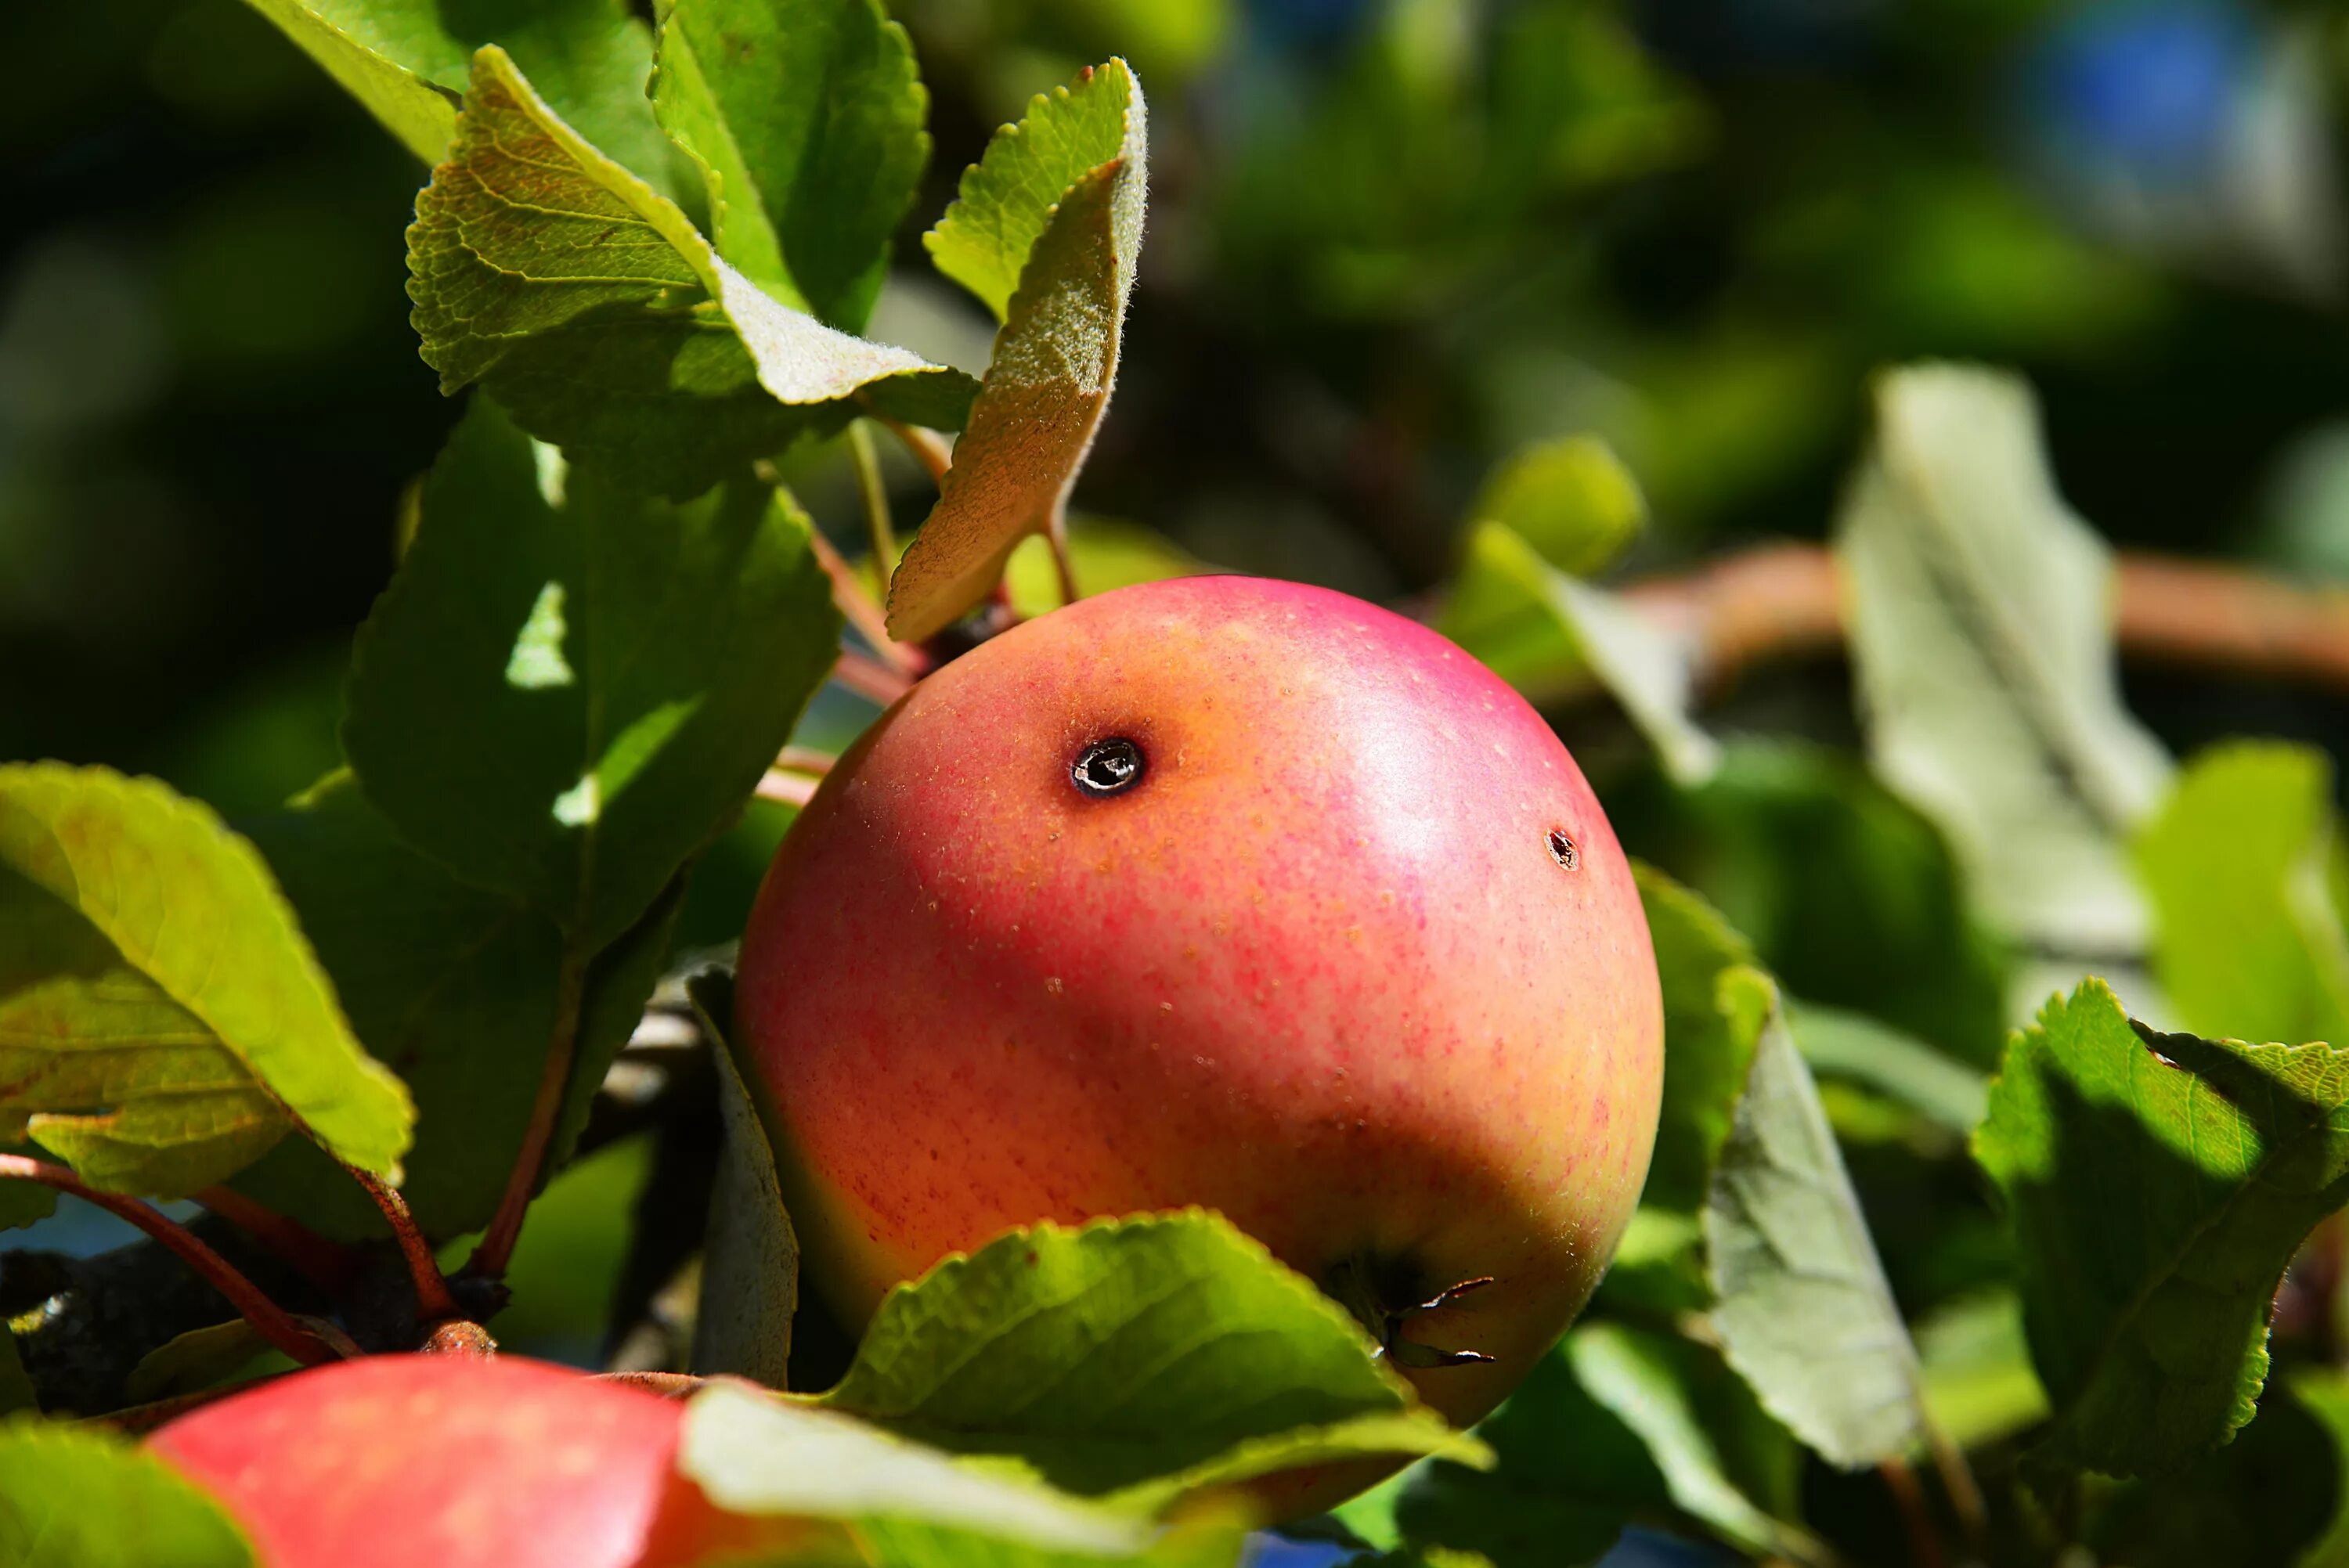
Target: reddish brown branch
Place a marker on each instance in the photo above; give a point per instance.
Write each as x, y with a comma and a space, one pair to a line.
433, 1302
329, 1265
273, 1322
496, 1248
1778, 600
870, 677
865, 613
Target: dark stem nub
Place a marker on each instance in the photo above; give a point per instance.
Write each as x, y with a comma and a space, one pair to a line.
1380, 1293
1110, 765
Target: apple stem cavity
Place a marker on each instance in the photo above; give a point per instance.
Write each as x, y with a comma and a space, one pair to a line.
273, 1322
1378, 1293
1110, 765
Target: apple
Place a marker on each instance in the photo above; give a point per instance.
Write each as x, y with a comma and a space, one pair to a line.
1230, 892
396, 1462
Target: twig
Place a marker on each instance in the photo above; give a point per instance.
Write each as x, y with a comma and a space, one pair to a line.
496, 1248
1056, 533
329, 1265
929, 448
1924, 1542
876, 496
1780, 600
786, 788
433, 1302
870, 677
856, 603
1958, 1482
273, 1322
668, 1385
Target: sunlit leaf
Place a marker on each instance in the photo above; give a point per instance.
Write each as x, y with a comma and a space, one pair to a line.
1146, 1357
1981, 627
162, 1020
1055, 360
2245, 870
596, 310
73, 1498
806, 117
2156, 1185
1571, 498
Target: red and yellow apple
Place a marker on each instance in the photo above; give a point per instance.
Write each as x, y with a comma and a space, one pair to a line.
1228, 893
399, 1462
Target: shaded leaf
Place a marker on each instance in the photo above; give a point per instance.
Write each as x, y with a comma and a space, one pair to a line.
1860, 1048
806, 118
408, 61
1147, 1357
2265, 1498
2324, 1393
2245, 871
756, 1453
1055, 363
592, 306
1571, 498
196, 1359
160, 1015
1616, 1425
2156, 1185
751, 1261
73, 1498
1537, 628
1802, 1305
1006, 199
1848, 893
24, 1202
460, 990
1709, 1038
1979, 614
569, 689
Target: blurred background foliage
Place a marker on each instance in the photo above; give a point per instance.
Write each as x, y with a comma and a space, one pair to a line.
1392, 243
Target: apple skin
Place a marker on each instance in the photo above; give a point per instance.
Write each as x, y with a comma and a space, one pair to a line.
1320, 969
395, 1461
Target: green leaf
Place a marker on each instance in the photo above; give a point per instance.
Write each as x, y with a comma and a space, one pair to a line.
1710, 1035
2156, 1185
2245, 872
806, 117
460, 990
1802, 1305
160, 1015
590, 305
1979, 1383
760, 1454
568, 688
407, 62
1147, 1357
1981, 632
1860, 1048
1850, 895
73, 1498
1571, 498
1617, 1423
2266, 1497
987, 236
196, 1359
751, 1259
1541, 629
1055, 360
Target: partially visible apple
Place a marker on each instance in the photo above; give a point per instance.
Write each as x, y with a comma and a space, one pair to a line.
434, 1461
1229, 892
